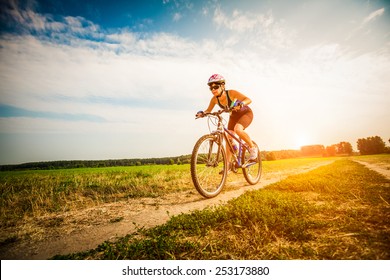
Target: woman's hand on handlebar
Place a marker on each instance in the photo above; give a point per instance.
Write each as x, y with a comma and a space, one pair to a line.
237, 106
200, 114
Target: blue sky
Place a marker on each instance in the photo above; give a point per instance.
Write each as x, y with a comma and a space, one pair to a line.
123, 79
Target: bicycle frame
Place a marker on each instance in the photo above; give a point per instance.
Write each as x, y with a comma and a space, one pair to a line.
237, 157
224, 132
209, 156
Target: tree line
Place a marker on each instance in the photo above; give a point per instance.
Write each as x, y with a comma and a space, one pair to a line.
366, 146
67, 164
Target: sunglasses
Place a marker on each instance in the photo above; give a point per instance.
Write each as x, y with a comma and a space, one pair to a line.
215, 87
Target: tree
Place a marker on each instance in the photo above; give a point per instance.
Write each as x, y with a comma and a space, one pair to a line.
270, 156
371, 145
331, 150
344, 148
313, 150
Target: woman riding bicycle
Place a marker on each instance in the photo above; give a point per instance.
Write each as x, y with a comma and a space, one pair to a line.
241, 115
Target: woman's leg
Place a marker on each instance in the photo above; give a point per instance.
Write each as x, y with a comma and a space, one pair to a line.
239, 130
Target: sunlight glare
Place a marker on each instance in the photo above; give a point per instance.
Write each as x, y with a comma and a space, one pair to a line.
301, 139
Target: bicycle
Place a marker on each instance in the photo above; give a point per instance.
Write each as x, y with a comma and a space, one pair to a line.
209, 166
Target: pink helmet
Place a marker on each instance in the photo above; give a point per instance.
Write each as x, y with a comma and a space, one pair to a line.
216, 78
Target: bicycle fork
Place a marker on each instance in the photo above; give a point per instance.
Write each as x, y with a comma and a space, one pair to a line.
210, 161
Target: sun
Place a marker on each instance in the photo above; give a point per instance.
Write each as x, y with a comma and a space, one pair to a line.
301, 139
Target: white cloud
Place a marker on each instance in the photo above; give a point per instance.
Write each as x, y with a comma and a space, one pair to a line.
205, 11
373, 15
33, 72
147, 85
238, 22
149, 72
260, 31
27, 17
364, 35
30, 21
177, 17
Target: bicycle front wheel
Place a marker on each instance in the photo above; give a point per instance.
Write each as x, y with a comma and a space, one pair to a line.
252, 170
208, 166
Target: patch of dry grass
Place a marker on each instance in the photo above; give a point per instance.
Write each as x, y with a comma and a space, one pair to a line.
33, 194
29, 194
337, 211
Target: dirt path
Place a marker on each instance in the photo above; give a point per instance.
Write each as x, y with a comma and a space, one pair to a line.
83, 230
383, 169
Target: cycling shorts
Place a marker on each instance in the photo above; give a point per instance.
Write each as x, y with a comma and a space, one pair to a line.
243, 117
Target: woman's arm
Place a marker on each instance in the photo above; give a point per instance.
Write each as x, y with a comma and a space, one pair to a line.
200, 114
211, 105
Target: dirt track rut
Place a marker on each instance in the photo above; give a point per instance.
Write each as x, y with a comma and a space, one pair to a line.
83, 230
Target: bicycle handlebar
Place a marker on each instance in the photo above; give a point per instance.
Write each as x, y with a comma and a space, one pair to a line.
217, 113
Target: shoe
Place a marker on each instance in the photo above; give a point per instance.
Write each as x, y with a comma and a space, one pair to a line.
253, 153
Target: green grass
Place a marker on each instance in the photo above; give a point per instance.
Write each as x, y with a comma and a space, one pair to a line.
382, 160
288, 166
26, 194
35, 193
339, 211
281, 165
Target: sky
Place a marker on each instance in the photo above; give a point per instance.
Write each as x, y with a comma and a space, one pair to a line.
99, 79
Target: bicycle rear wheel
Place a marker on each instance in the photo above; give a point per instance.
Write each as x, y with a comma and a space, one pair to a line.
252, 170
208, 166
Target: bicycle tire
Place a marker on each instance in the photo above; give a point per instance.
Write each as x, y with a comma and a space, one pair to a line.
208, 174
252, 171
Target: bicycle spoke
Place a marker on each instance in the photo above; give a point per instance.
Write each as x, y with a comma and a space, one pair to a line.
207, 162
251, 169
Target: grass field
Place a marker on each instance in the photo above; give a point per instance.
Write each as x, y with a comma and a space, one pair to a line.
26, 194
339, 211
35, 193
382, 160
